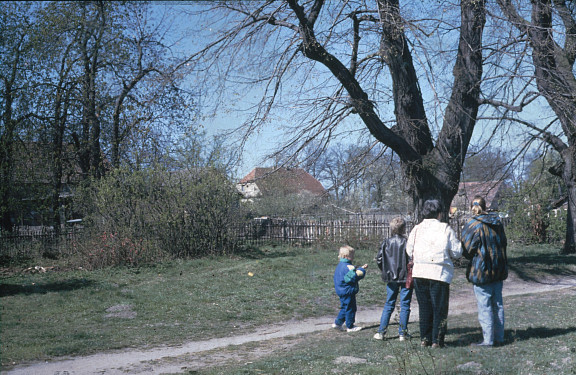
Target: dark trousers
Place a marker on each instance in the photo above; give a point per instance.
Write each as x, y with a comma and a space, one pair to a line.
432, 298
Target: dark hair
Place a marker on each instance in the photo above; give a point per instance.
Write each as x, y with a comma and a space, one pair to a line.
431, 209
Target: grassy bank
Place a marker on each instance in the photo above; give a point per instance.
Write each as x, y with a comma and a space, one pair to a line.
76, 312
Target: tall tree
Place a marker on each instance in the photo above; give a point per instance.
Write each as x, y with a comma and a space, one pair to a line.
17, 31
553, 58
94, 78
357, 44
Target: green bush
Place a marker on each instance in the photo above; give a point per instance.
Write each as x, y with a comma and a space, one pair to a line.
140, 216
532, 223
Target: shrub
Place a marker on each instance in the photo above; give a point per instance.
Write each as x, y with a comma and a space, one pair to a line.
138, 216
531, 218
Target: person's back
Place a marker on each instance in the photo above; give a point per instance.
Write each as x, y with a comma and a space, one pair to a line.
392, 259
485, 245
484, 242
345, 281
393, 263
433, 244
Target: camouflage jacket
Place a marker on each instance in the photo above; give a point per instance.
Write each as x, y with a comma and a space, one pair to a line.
484, 243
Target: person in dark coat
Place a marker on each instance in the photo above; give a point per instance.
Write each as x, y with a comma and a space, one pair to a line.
484, 242
393, 261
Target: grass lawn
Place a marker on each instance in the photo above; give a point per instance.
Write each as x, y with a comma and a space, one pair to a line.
77, 312
534, 346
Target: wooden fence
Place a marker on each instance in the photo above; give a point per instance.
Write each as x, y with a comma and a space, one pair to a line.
29, 241
353, 229
309, 231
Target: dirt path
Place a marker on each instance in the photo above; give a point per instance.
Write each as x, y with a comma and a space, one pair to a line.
200, 354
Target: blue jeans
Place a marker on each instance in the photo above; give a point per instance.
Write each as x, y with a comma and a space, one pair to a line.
392, 289
433, 298
491, 311
347, 311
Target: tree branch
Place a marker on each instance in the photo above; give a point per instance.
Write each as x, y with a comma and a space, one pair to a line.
312, 49
556, 142
570, 25
528, 98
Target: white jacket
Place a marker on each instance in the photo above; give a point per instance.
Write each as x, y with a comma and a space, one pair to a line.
432, 245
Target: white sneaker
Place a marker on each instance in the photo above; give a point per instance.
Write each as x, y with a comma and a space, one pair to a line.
404, 337
354, 329
379, 336
337, 327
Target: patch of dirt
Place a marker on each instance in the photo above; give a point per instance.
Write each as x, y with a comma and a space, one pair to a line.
349, 360
120, 311
264, 341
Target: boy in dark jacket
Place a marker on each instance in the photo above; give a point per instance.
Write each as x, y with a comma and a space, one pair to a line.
485, 243
346, 278
393, 261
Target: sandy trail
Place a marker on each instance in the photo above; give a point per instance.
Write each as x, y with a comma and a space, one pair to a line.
199, 354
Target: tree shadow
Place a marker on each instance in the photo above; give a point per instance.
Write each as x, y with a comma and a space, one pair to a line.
469, 335
533, 268
537, 332
43, 288
552, 259
528, 271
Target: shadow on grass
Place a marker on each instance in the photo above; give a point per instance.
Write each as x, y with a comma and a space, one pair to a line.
43, 288
552, 259
533, 268
538, 333
467, 336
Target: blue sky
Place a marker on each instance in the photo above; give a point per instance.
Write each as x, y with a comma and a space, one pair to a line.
264, 141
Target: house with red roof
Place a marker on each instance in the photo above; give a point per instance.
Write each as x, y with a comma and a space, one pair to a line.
265, 182
490, 190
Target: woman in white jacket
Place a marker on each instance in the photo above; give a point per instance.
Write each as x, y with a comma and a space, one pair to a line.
432, 245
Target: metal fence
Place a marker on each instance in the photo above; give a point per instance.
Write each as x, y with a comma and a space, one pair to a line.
32, 241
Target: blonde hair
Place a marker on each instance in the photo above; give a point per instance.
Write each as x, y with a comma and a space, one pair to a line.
478, 205
397, 226
346, 252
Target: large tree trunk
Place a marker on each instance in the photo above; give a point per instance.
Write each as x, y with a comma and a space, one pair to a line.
432, 169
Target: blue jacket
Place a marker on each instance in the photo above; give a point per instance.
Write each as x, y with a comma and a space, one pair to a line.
346, 279
485, 243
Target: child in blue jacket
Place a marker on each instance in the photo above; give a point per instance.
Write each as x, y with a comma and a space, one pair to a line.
346, 278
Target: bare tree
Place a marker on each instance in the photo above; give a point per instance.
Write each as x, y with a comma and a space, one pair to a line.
357, 45
551, 35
